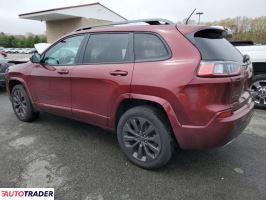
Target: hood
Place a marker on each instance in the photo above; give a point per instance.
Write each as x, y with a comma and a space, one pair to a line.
41, 47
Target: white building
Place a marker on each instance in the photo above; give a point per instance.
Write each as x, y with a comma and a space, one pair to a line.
60, 21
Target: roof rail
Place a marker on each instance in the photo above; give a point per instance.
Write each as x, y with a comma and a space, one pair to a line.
156, 21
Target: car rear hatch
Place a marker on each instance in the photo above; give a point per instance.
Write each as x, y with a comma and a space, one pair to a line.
221, 59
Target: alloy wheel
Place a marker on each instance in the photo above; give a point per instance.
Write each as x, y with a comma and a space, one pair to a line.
141, 139
19, 103
258, 89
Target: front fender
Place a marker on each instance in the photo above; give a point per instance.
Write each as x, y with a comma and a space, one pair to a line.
18, 79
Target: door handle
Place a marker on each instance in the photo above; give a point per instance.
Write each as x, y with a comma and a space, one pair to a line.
63, 71
119, 73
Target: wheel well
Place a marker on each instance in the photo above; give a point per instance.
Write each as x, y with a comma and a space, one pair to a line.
12, 84
130, 103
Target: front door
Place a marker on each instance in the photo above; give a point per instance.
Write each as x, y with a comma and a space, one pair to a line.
50, 81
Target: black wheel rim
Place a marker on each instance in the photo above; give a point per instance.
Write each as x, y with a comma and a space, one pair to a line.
258, 89
19, 103
141, 139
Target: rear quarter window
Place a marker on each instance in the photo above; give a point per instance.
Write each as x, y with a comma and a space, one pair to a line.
149, 47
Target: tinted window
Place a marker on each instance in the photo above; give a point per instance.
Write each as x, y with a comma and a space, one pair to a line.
149, 47
213, 46
64, 52
108, 48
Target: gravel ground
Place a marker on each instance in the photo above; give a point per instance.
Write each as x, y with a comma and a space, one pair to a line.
84, 162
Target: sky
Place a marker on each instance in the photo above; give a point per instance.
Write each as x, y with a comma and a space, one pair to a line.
175, 10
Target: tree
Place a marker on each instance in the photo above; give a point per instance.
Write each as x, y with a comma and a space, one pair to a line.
244, 28
20, 41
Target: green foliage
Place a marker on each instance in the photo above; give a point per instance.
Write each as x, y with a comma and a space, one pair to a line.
244, 28
10, 41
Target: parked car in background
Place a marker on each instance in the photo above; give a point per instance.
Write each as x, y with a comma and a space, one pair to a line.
22, 50
257, 55
154, 85
30, 50
4, 64
6, 50
12, 50
3, 55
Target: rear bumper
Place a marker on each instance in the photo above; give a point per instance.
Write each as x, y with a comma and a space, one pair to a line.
218, 132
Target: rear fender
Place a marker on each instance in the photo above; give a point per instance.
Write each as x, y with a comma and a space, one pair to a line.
164, 103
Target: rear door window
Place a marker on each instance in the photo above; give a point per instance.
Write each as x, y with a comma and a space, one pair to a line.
213, 46
149, 47
108, 48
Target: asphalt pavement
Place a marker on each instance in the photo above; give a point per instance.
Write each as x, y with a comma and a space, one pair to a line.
84, 162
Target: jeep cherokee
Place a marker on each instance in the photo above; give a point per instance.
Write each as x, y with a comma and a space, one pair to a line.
156, 85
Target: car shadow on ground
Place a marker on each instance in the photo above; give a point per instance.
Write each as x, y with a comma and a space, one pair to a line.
2, 90
97, 151
182, 160
88, 158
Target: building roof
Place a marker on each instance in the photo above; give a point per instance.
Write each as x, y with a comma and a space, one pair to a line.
93, 10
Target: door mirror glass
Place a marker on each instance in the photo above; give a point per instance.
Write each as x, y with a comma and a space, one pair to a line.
36, 58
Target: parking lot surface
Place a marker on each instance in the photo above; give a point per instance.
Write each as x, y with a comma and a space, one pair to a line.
84, 162
18, 56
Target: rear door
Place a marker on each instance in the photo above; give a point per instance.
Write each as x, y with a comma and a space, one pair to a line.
103, 78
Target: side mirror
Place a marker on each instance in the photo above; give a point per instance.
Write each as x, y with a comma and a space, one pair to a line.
36, 58
246, 58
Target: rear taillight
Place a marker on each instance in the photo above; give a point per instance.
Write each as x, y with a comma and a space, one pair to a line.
218, 69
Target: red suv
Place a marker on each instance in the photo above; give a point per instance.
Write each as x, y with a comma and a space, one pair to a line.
156, 85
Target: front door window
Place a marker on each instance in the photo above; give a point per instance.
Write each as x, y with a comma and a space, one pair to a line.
64, 52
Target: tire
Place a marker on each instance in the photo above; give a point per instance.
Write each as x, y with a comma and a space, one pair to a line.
259, 90
144, 127
22, 105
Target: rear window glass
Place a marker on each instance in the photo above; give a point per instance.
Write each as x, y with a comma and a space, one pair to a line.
213, 46
149, 47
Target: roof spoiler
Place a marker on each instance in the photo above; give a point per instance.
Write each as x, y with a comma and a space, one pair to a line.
228, 31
